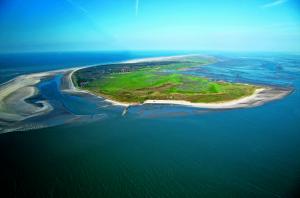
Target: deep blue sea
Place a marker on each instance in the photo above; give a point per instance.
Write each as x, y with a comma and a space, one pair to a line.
156, 150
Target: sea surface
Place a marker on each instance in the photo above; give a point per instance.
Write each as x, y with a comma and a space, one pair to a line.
87, 148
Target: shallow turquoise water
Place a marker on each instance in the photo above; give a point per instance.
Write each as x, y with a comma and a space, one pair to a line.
166, 151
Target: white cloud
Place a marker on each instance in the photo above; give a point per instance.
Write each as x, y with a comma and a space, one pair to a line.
274, 3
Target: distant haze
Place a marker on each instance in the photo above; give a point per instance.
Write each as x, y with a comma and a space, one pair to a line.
78, 25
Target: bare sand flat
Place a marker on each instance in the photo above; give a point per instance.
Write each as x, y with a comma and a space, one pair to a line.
13, 95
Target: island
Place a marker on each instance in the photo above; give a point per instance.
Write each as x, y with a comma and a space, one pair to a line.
174, 80
165, 80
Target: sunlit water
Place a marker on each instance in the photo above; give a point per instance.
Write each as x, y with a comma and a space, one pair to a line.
158, 150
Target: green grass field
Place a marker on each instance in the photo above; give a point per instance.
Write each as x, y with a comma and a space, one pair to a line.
154, 83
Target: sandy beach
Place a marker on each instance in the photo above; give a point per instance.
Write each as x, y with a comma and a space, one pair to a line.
14, 107
259, 97
70, 87
13, 95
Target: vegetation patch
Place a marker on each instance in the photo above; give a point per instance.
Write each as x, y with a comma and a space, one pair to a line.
161, 81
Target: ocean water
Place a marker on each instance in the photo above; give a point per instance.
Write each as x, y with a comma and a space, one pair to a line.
156, 150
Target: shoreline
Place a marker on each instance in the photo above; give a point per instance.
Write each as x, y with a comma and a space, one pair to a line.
259, 97
13, 95
15, 108
215, 105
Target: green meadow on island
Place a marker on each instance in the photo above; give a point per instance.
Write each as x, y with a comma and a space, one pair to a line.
150, 98
158, 80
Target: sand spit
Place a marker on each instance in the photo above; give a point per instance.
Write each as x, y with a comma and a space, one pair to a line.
67, 83
14, 93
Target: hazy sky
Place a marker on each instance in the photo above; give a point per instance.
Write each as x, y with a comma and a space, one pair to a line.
56, 25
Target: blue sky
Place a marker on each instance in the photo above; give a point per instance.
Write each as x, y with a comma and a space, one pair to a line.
80, 25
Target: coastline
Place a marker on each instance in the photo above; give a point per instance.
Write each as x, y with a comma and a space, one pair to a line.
220, 105
259, 97
14, 107
72, 88
13, 95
